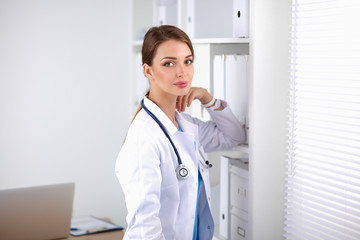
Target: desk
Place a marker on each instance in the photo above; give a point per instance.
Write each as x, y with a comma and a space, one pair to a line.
113, 235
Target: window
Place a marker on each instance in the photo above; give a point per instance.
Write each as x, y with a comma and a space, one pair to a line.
323, 178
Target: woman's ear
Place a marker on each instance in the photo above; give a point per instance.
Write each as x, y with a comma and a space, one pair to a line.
147, 71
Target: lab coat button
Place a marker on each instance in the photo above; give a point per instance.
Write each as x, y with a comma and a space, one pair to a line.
209, 198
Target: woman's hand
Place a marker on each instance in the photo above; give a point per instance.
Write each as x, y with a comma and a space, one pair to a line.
195, 93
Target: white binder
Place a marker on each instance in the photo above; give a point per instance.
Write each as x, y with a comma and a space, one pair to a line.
190, 19
162, 15
240, 18
236, 87
167, 12
219, 76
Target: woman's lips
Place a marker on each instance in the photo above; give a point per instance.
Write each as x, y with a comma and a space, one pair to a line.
181, 84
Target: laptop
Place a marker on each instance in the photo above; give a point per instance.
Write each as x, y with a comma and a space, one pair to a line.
36, 213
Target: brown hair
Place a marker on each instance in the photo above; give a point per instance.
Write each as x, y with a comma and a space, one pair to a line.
156, 36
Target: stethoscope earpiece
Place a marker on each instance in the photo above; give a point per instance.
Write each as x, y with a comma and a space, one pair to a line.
208, 163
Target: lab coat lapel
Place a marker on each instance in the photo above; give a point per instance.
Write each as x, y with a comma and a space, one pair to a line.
170, 127
189, 137
187, 127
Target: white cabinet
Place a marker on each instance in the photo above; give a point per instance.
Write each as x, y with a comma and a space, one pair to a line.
198, 18
238, 228
239, 186
239, 201
234, 198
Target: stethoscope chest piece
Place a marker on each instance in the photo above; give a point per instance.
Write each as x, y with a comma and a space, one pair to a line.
182, 172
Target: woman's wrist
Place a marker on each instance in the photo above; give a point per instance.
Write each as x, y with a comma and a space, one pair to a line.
216, 105
209, 103
207, 99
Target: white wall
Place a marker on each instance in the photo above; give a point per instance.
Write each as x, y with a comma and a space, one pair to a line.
63, 97
269, 55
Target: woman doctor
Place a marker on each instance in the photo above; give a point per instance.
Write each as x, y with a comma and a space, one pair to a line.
162, 166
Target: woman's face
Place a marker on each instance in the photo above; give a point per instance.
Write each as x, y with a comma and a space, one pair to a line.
172, 69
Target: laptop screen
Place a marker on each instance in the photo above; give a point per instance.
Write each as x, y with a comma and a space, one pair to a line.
42, 212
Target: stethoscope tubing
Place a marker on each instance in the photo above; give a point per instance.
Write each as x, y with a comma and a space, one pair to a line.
163, 129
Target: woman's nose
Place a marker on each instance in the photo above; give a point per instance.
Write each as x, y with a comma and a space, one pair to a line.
180, 71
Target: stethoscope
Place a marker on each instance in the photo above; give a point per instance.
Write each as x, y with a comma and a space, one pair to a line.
182, 172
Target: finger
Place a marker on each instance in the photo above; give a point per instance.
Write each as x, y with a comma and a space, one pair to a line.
184, 101
181, 104
178, 103
195, 94
191, 98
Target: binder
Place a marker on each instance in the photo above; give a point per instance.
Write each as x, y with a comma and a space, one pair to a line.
219, 76
190, 18
162, 15
240, 18
167, 12
236, 87
201, 78
230, 84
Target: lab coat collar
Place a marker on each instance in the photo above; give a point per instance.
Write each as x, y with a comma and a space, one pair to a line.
170, 127
186, 125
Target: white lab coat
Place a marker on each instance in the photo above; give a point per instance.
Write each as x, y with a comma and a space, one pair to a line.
159, 205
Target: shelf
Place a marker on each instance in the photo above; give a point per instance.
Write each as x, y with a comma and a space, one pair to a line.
242, 148
138, 43
238, 152
219, 40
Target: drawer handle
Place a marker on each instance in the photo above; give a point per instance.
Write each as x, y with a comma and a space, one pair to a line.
241, 231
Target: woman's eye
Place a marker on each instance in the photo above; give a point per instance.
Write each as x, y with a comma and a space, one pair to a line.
188, 62
168, 64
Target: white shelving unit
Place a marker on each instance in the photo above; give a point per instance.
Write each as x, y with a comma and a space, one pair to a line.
234, 199
211, 32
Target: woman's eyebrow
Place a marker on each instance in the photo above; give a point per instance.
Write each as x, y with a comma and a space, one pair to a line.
174, 58
168, 58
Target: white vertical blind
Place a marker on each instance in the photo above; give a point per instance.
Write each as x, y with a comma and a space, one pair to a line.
323, 178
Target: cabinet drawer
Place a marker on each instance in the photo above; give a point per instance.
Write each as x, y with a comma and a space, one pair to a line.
239, 193
238, 228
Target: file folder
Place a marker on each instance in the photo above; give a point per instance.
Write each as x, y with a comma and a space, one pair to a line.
190, 19
167, 12
236, 87
240, 18
219, 76
162, 15
88, 225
